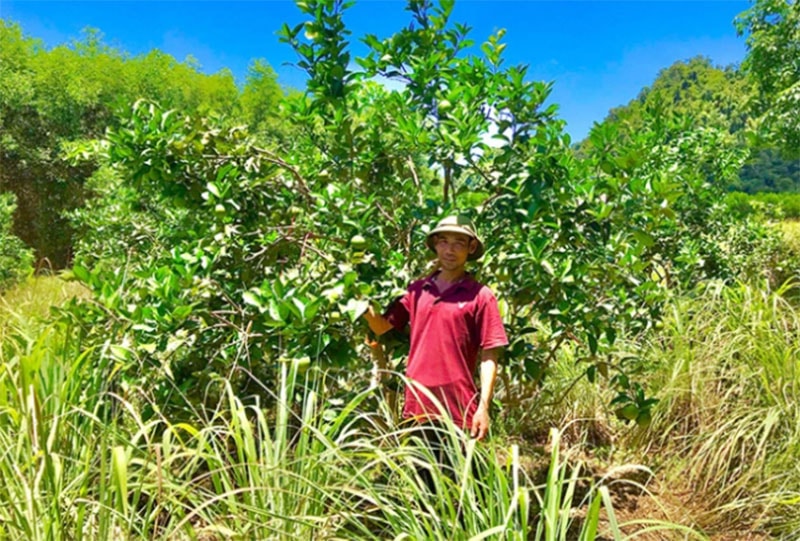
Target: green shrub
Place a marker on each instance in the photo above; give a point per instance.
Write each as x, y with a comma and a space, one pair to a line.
15, 257
739, 204
773, 206
791, 206
209, 252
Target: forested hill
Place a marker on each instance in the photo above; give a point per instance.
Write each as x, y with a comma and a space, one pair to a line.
716, 97
51, 98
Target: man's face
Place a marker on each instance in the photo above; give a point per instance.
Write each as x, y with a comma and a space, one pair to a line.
453, 249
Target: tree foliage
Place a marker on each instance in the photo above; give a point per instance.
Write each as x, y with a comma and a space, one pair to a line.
15, 257
769, 171
260, 100
713, 97
52, 98
773, 63
215, 254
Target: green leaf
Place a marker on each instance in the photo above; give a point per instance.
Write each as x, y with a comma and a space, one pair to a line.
250, 298
181, 312
298, 307
277, 316
355, 309
592, 343
119, 471
643, 238
212, 187
81, 274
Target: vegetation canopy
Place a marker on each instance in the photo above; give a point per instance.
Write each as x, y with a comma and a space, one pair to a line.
215, 249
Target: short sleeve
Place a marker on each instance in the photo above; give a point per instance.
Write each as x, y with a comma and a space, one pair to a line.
397, 313
490, 323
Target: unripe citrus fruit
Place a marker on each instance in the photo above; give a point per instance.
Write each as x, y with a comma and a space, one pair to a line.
629, 412
358, 243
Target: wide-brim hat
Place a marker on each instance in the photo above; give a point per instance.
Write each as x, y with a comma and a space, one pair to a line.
457, 224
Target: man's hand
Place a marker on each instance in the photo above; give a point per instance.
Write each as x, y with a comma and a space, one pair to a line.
480, 423
377, 323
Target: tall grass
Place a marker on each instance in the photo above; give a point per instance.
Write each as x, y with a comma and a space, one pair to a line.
728, 424
81, 463
79, 460
26, 303
791, 234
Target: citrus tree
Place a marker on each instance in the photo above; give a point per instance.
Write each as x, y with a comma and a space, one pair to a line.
242, 255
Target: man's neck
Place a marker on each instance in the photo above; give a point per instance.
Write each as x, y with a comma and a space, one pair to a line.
451, 277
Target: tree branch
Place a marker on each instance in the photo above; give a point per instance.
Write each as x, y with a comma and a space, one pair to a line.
272, 158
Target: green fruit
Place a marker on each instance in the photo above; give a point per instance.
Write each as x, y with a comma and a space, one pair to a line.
219, 209
644, 419
358, 243
628, 412
364, 288
334, 296
444, 105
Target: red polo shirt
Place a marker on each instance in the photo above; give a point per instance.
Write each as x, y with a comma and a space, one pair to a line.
447, 332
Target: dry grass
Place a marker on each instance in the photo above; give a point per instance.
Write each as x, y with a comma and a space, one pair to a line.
791, 233
32, 299
724, 438
726, 427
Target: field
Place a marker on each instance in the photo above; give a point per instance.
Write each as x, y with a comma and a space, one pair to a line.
791, 233
717, 460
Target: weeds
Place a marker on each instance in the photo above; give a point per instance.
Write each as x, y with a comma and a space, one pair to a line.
728, 423
81, 463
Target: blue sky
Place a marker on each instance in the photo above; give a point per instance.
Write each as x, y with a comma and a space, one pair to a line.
598, 53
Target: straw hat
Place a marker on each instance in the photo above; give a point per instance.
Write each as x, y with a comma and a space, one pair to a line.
457, 224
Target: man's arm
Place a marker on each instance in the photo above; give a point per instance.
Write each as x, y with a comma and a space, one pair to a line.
379, 325
480, 421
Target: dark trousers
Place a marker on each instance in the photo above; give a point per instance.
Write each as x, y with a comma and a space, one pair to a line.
435, 438
439, 442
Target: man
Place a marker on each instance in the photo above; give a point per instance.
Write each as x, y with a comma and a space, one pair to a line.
454, 322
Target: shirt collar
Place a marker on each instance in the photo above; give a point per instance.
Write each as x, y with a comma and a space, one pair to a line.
463, 283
